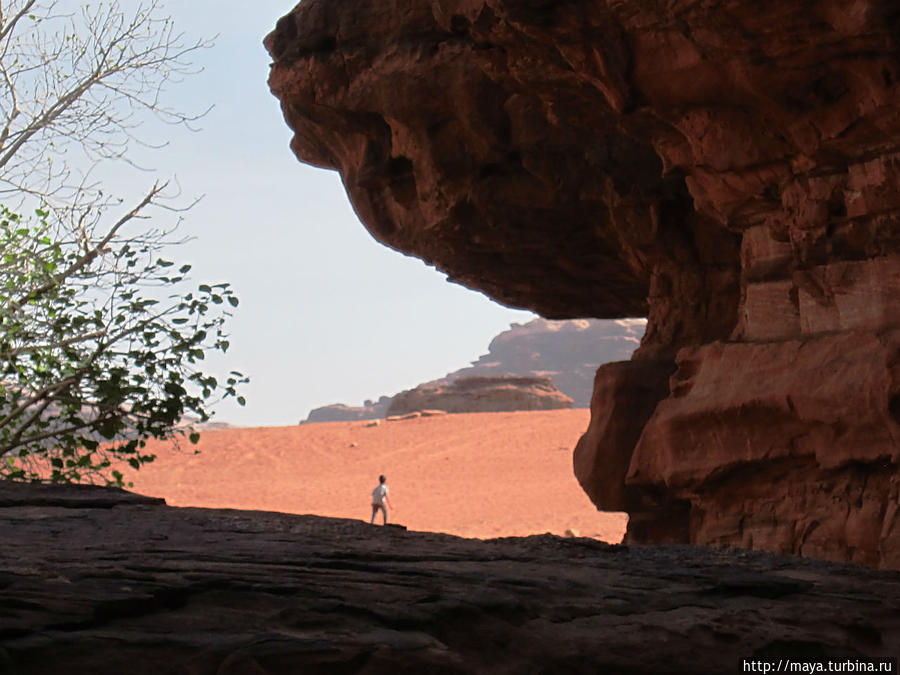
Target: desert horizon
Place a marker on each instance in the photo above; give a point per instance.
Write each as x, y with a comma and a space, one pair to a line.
478, 475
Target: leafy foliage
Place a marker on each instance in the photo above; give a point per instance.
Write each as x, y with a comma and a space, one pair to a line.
99, 350
101, 345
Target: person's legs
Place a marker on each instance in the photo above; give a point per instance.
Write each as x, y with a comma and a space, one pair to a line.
374, 511
384, 513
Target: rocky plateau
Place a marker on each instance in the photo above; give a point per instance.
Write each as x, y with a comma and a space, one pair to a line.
482, 394
566, 352
727, 169
95, 581
341, 412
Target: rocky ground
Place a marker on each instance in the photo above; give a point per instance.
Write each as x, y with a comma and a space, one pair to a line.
98, 581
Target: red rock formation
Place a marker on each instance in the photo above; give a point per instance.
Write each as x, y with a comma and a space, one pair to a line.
338, 412
568, 352
482, 394
729, 170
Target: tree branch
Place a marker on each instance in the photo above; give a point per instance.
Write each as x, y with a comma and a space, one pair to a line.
6, 30
90, 255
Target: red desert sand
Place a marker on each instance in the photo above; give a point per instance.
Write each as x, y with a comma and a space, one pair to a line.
474, 475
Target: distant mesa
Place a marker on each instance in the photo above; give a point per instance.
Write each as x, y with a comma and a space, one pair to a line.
194, 423
409, 416
338, 412
482, 394
566, 353
212, 426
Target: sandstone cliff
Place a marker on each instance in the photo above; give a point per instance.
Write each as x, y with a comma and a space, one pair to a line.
482, 394
338, 412
728, 170
98, 582
566, 352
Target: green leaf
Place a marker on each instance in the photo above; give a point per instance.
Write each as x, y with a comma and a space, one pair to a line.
136, 381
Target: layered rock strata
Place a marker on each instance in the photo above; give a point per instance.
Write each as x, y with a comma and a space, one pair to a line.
93, 582
729, 170
567, 352
482, 394
338, 412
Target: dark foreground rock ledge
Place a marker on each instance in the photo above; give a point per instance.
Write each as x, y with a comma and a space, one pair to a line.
90, 587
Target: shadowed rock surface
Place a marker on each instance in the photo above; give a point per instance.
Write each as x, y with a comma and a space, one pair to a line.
96, 588
728, 170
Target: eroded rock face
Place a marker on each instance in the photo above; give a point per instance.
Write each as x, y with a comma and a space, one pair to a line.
729, 170
94, 582
338, 412
568, 352
482, 394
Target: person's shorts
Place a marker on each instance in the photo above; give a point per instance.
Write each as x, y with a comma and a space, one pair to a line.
378, 506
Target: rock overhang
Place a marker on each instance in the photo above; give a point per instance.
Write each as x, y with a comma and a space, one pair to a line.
728, 170
489, 165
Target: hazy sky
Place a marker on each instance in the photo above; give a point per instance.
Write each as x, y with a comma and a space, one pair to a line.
327, 314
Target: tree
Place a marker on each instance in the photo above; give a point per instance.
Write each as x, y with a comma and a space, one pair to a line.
92, 351
81, 81
100, 343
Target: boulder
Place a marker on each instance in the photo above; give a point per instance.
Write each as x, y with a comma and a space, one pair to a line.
481, 394
567, 352
338, 412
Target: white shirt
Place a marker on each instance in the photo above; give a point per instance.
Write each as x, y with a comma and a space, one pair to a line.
379, 493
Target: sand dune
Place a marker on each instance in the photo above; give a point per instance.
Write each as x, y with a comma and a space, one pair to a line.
474, 475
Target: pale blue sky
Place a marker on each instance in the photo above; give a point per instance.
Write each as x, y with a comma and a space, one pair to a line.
327, 314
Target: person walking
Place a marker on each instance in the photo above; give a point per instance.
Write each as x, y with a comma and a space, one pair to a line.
379, 496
